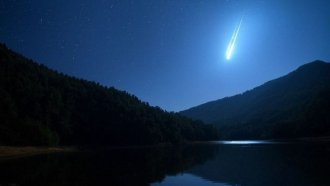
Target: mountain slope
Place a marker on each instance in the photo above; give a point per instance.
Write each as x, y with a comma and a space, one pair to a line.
39, 106
294, 105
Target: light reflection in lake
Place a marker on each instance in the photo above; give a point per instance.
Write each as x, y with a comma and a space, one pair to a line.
245, 142
187, 179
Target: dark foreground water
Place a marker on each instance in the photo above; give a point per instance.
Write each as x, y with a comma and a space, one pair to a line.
254, 164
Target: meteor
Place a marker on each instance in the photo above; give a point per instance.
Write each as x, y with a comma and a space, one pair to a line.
232, 42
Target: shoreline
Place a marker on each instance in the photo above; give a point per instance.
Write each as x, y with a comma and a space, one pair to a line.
12, 152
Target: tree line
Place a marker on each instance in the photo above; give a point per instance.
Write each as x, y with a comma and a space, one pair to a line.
40, 106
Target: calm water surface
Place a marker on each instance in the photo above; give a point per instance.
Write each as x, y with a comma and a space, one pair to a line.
219, 163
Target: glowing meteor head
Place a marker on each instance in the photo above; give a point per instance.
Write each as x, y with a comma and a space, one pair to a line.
230, 50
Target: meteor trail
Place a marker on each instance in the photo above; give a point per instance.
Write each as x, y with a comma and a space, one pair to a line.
232, 42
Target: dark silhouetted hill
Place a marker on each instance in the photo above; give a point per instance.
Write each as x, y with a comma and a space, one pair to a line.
39, 106
295, 105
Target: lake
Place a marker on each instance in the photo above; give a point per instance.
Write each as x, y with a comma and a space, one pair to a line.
218, 163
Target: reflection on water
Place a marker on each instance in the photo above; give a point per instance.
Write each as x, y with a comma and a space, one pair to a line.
245, 142
121, 166
200, 164
187, 179
269, 164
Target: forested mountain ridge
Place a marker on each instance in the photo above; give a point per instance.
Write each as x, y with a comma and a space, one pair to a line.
295, 105
39, 106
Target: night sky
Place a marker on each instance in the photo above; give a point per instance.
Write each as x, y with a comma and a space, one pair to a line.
169, 53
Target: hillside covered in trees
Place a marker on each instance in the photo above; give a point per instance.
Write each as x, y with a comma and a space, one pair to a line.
39, 106
295, 105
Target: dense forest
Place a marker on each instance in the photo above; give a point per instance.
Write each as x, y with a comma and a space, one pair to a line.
39, 106
295, 105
